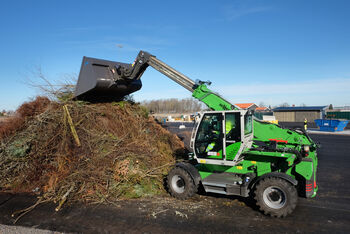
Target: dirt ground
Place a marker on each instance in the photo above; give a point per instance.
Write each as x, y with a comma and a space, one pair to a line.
328, 212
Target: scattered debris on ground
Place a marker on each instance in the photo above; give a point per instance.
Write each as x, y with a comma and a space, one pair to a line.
182, 215
76, 151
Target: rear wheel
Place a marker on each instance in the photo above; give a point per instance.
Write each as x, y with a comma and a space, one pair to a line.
180, 184
276, 197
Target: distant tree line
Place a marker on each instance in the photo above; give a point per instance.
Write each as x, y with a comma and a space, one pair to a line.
286, 104
174, 105
188, 105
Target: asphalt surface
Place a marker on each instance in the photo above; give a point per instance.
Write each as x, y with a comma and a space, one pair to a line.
328, 212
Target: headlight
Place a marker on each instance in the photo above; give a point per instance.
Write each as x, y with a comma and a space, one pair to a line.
306, 148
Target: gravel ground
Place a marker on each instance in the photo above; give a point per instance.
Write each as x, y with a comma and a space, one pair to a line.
4, 229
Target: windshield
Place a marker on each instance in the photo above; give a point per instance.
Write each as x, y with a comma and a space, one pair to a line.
209, 136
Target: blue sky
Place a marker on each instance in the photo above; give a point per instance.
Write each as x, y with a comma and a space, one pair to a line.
252, 50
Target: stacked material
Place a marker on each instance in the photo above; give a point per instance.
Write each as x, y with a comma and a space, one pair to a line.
79, 151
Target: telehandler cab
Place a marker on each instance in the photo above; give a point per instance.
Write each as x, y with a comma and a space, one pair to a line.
233, 153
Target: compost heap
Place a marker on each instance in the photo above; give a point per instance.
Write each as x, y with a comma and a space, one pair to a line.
123, 153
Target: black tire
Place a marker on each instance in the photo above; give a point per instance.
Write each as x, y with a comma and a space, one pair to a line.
180, 184
276, 197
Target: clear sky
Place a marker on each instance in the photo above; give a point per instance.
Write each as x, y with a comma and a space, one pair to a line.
252, 50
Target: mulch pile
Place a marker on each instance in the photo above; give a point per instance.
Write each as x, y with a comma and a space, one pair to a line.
85, 152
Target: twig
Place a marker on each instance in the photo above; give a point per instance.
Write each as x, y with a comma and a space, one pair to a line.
27, 210
154, 214
157, 168
72, 128
64, 198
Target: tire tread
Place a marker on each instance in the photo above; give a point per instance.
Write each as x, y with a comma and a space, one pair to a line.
291, 192
190, 187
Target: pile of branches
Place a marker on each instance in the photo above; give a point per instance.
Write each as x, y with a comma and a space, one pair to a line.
76, 151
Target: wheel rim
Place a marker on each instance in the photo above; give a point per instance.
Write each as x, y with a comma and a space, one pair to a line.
274, 197
178, 184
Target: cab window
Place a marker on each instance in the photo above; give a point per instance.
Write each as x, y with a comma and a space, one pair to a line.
209, 135
233, 127
248, 124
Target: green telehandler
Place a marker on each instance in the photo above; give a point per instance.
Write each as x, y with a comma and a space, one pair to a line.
233, 153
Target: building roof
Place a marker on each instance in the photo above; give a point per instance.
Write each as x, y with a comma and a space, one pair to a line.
245, 105
299, 108
261, 108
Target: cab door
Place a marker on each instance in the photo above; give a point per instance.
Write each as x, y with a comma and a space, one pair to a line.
233, 135
210, 137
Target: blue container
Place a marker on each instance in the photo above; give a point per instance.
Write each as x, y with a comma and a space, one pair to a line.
331, 125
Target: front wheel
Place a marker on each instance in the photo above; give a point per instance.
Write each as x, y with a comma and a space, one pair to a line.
276, 197
180, 184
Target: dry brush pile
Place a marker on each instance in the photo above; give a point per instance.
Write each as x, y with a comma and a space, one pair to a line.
85, 152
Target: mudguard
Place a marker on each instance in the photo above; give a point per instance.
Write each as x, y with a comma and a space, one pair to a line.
277, 175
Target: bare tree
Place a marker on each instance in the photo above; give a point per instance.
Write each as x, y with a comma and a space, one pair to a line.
173, 105
285, 104
61, 90
262, 104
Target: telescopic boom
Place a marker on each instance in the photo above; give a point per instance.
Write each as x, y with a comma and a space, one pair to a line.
107, 80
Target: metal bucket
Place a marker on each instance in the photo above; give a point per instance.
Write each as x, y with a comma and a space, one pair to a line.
98, 82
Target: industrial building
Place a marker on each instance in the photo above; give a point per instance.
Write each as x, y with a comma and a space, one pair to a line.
299, 113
